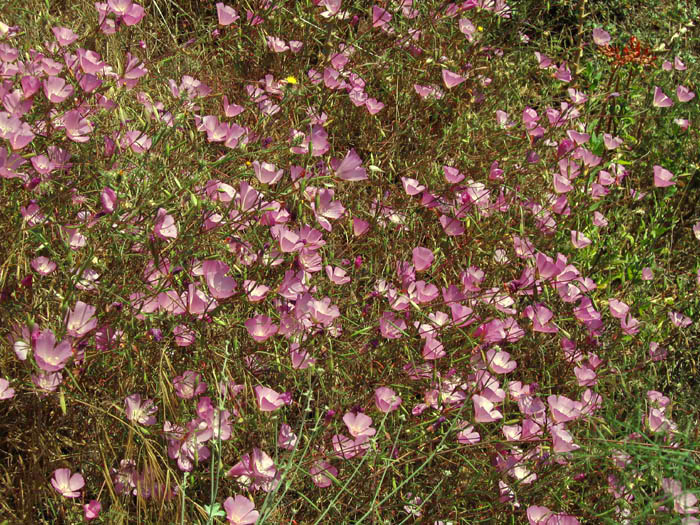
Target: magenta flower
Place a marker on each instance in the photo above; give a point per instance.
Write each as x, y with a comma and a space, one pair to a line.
261, 328
48, 355
240, 510
80, 320
92, 509
386, 399
268, 400
138, 411
256, 470
680, 320
66, 484
662, 177
380, 16
6, 392
540, 316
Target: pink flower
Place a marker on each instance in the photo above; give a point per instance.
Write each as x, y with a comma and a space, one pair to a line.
77, 128
540, 316
359, 424
500, 362
662, 177
189, 385
81, 320
484, 410
92, 509
286, 439
647, 274
5, 391
350, 168
64, 36
227, 15
49, 356
43, 266
380, 16
467, 435
680, 320
618, 309
261, 328
325, 208
321, 473
579, 240
564, 409
240, 510
359, 227
267, 173
660, 99
337, 275
140, 412
601, 37
684, 94
268, 400
451, 79
165, 226
66, 484
386, 399
422, 258
57, 90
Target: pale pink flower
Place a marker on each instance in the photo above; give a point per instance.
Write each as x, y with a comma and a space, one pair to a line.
165, 226
226, 15
350, 168
48, 382
611, 142
138, 411
359, 424
81, 320
662, 177
261, 328
322, 472
647, 274
326, 209
337, 275
680, 320
661, 100
64, 36
66, 484
359, 227
48, 355
564, 409
684, 94
386, 399
467, 435
43, 265
618, 309
484, 410
380, 16
6, 392
500, 362
56, 89
286, 439
77, 128
579, 240
600, 36
268, 400
189, 385
451, 79
267, 173
562, 440
240, 510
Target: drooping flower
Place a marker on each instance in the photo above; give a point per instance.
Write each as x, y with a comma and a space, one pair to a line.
67, 484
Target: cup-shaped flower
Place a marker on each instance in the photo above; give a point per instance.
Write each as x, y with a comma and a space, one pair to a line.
80, 320
286, 438
422, 258
321, 473
267, 399
661, 100
226, 15
451, 79
66, 484
165, 226
240, 510
43, 265
662, 177
484, 410
386, 399
140, 411
261, 328
50, 356
189, 384
6, 392
500, 362
359, 424
600, 36
92, 509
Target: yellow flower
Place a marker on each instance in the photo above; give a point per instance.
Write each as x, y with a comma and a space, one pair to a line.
291, 80
480, 28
